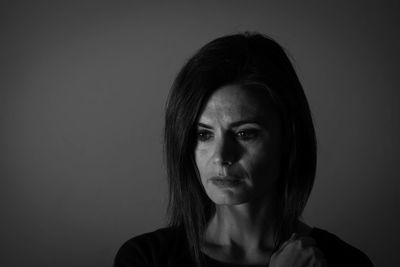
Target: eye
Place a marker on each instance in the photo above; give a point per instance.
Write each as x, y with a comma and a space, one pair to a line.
204, 135
247, 134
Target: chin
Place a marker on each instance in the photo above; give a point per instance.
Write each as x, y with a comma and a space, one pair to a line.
229, 198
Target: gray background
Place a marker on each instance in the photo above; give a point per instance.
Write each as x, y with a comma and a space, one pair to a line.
82, 92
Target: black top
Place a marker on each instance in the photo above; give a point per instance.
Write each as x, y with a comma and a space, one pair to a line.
168, 247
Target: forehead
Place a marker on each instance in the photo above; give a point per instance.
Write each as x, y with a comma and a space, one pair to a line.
234, 102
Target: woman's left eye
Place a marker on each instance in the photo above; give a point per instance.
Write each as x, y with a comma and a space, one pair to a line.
247, 134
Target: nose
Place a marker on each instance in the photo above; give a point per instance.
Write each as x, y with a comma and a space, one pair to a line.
225, 153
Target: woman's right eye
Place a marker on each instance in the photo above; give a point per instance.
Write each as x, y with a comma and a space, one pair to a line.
203, 135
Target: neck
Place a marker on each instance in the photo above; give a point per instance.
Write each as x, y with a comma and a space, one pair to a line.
247, 226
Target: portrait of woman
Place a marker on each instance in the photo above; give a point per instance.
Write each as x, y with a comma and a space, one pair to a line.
199, 133
240, 151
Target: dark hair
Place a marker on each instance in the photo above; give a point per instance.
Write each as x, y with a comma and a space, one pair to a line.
248, 59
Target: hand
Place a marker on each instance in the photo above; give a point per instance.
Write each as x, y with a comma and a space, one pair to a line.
298, 251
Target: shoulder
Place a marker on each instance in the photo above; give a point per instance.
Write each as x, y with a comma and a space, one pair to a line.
150, 249
338, 252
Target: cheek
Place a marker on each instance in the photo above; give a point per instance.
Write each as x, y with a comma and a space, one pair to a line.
201, 157
262, 162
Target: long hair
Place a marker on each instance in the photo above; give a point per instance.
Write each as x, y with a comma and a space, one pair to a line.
247, 59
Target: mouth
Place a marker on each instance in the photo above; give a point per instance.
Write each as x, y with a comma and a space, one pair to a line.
226, 181
227, 177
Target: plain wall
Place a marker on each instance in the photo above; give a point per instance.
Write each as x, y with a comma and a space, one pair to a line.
82, 92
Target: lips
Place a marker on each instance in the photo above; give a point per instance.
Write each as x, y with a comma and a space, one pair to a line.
226, 181
226, 178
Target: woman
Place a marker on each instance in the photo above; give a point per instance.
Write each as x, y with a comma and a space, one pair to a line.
240, 151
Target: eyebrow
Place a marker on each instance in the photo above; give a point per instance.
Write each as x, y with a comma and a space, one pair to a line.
235, 124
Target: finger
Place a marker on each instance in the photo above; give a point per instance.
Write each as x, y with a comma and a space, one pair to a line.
317, 258
284, 244
307, 241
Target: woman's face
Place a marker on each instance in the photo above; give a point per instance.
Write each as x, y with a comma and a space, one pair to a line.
238, 147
